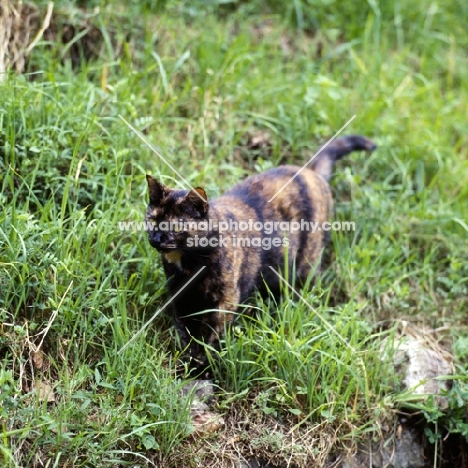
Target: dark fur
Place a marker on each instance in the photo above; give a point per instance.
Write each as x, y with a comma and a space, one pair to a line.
233, 273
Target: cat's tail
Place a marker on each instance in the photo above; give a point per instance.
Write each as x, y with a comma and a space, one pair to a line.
330, 153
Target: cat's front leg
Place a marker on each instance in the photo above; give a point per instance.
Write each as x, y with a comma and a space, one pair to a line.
224, 314
216, 322
195, 329
182, 332
214, 325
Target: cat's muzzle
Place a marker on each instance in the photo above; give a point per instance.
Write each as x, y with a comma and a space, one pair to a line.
161, 242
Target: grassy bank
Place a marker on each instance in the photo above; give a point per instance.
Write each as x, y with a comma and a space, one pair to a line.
225, 91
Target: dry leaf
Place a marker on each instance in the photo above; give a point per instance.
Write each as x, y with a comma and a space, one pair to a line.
37, 359
260, 139
205, 422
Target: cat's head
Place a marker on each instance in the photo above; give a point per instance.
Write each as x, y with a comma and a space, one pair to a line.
173, 216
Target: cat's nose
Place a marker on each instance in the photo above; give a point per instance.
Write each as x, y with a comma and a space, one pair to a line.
155, 239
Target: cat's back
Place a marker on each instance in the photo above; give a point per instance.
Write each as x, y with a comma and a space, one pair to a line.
281, 192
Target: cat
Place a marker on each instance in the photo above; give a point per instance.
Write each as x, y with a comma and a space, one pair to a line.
192, 233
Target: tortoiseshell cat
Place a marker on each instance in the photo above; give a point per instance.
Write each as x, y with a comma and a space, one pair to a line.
232, 270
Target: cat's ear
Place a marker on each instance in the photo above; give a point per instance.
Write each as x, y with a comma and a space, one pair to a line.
156, 190
198, 199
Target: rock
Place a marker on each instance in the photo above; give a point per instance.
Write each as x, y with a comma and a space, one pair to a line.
204, 420
420, 362
424, 366
255, 463
44, 391
404, 451
203, 389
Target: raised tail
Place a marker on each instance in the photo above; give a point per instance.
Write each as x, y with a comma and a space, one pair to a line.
330, 153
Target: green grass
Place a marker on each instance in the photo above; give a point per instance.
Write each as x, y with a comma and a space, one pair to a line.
198, 78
